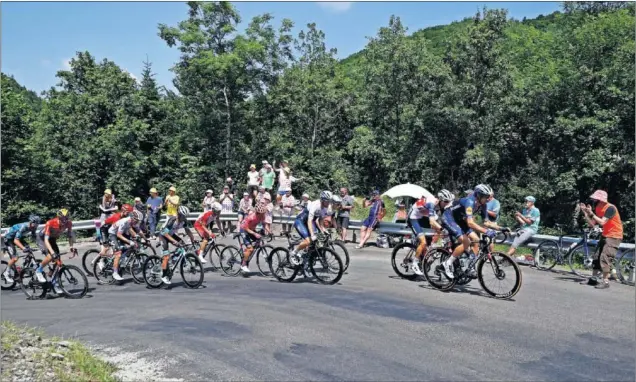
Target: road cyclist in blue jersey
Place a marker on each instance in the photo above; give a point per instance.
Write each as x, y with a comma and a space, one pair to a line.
308, 223
459, 222
15, 238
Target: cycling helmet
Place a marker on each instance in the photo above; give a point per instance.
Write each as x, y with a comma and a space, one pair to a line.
261, 208
445, 196
136, 215
183, 211
63, 213
127, 208
216, 207
483, 190
325, 196
35, 219
336, 199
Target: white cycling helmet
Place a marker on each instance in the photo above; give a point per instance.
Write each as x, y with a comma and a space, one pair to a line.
216, 207
325, 196
483, 190
136, 215
336, 199
445, 196
183, 211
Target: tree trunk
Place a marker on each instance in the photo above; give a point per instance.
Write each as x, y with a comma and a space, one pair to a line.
228, 132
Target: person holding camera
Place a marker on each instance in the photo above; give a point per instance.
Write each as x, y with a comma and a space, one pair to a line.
529, 218
599, 212
376, 213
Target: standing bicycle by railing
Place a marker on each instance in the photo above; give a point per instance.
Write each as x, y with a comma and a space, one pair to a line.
578, 256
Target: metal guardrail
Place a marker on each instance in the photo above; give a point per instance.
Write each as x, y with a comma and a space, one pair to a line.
398, 229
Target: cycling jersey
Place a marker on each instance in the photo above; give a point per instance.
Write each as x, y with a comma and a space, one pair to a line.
16, 231
456, 215
54, 227
205, 219
422, 209
173, 225
112, 219
252, 221
309, 215
122, 226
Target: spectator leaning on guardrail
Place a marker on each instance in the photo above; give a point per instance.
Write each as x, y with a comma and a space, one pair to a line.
345, 212
245, 205
227, 205
606, 215
376, 212
288, 202
529, 218
172, 202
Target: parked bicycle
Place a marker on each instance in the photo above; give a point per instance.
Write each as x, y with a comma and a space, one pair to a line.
624, 266
183, 258
71, 280
131, 261
231, 256
578, 256
318, 259
29, 261
497, 264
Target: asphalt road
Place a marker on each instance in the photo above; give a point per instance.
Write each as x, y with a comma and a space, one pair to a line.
371, 326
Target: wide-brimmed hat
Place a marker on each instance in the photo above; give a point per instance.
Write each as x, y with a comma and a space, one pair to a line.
599, 195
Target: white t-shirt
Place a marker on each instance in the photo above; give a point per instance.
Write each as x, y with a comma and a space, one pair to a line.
252, 177
122, 226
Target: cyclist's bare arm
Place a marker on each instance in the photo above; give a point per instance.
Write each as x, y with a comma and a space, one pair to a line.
476, 227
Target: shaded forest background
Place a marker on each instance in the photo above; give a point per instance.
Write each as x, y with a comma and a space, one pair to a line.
540, 106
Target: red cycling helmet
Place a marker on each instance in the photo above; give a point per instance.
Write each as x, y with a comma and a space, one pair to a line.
127, 208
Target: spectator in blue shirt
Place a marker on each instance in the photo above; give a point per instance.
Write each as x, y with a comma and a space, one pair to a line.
376, 212
529, 219
154, 204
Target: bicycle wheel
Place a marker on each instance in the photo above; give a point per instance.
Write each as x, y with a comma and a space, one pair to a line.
152, 271
579, 261
73, 281
342, 251
434, 271
191, 271
5, 285
546, 255
280, 267
30, 285
504, 269
213, 251
401, 260
262, 260
136, 266
231, 258
103, 270
326, 266
87, 261
625, 267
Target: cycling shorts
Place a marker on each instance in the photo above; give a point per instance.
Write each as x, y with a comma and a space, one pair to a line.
52, 242
302, 229
247, 238
202, 232
448, 223
420, 224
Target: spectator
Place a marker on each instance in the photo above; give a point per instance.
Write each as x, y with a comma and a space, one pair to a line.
252, 181
154, 205
599, 212
245, 205
285, 180
208, 200
400, 215
529, 219
230, 183
345, 213
303, 202
376, 213
259, 195
172, 202
492, 207
267, 179
139, 206
267, 198
227, 205
289, 202
108, 206
262, 170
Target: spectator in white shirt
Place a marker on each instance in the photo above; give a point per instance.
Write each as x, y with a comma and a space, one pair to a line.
245, 206
252, 181
208, 200
227, 204
288, 202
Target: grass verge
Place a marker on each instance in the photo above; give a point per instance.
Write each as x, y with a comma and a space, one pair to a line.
69, 360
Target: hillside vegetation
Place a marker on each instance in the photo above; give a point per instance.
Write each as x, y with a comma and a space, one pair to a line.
542, 107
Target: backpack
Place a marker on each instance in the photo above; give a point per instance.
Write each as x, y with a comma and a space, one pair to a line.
381, 212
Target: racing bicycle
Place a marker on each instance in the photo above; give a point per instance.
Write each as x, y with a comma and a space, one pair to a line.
29, 262
71, 280
89, 257
131, 261
188, 263
231, 257
578, 256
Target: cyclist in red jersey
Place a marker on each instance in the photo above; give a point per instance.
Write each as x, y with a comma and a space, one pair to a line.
203, 226
112, 219
47, 241
248, 231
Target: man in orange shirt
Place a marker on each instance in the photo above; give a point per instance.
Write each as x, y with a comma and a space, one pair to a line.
606, 215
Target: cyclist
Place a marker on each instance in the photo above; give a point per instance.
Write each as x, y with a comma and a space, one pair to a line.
203, 226
308, 221
169, 234
14, 238
460, 223
104, 229
248, 229
47, 241
120, 233
333, 210
423, 215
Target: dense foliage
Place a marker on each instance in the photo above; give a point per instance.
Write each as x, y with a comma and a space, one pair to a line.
542, 107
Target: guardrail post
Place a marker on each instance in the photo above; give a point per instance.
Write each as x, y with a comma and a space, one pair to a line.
353, 236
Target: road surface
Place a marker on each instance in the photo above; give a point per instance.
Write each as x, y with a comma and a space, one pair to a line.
371, 326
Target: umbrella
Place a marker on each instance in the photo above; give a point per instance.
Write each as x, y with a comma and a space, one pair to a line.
408, 189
